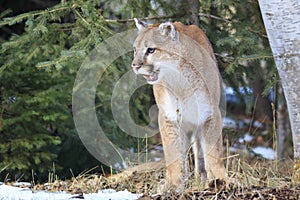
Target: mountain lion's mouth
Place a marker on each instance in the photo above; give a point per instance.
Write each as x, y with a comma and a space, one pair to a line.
153, 76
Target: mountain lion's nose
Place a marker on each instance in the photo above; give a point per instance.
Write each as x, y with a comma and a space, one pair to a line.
136, 66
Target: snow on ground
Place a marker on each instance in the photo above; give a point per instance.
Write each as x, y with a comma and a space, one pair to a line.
15, 193
229, 123
265, 152
246, 138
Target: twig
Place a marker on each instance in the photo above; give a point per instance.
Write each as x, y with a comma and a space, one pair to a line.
214, 17
79, 15
258, 33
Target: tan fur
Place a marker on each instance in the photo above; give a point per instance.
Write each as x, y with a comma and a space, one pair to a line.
186, 84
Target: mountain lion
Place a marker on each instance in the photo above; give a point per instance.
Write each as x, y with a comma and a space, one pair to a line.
180, 64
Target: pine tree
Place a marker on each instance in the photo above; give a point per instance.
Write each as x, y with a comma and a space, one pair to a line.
38, 68
37, 73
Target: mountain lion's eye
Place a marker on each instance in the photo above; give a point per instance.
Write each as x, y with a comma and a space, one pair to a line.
150, 50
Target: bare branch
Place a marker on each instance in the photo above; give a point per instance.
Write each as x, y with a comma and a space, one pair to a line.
214, 17
146, 18
166, 17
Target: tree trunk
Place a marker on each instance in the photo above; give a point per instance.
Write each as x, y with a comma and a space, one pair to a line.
189, 8
282, 22
194, 12
283, 129
262, 110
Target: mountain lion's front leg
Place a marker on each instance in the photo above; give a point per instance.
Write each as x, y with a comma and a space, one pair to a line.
175, 151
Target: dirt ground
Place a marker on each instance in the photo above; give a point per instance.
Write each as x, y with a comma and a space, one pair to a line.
256, 179
252, 180
253, 193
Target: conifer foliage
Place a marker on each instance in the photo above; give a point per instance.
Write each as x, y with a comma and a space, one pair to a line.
38, 68
37, 73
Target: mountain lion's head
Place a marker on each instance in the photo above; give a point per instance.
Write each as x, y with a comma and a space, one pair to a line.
155, 51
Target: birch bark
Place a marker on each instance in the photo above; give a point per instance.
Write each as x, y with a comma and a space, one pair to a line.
282, 22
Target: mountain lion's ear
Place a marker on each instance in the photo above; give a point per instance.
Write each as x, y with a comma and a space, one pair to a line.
168, 29
140, 24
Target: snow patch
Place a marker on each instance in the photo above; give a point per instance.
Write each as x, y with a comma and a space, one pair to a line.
229, 123
247, 138
22, 184
112, 194
258, 124
15, 193
265, 152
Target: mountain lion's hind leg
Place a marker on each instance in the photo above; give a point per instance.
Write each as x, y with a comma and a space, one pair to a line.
212, 146
199, 169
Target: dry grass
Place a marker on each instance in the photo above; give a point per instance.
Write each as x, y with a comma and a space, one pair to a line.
254, 179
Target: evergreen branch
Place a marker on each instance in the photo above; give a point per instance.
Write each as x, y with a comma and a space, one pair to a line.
255, 57
214, 17
224, 57
21, 17
244, 58
5, 167
5, 12
46, 64
79, 15
258, 33
2, 68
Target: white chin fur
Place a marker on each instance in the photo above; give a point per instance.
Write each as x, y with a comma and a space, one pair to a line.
153, 82
156, 81
136, 71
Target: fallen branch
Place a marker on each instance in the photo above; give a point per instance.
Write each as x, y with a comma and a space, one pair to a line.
141, 168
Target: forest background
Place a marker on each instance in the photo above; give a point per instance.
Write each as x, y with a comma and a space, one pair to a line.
43, 44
